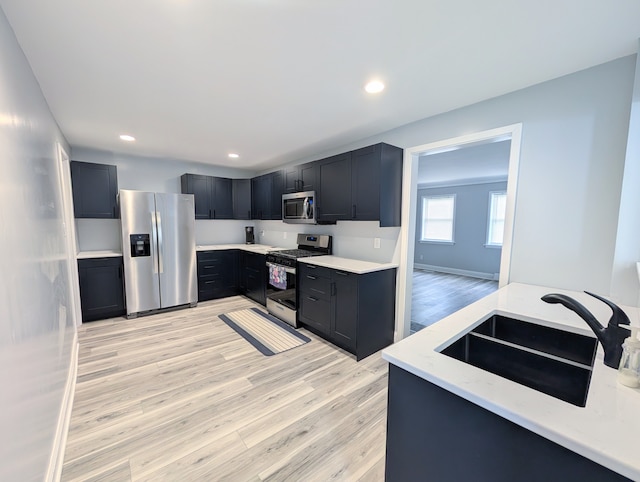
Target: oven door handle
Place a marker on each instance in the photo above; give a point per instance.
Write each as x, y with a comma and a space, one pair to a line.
286, 268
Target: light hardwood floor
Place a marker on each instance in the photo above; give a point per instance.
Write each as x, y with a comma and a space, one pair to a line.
180, 396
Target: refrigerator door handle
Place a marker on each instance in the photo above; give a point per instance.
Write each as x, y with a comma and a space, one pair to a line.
154, 247
160, 245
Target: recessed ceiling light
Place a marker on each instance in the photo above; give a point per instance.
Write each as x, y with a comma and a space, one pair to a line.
233, 155
374, 87
127, 138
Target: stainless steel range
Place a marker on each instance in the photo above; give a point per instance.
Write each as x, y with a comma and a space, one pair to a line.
281, 274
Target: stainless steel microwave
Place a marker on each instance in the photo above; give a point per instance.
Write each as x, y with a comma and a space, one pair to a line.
299, 207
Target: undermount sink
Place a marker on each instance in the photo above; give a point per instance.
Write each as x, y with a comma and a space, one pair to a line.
550, 360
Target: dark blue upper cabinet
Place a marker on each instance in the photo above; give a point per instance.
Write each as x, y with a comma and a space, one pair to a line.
95, 190
213, 196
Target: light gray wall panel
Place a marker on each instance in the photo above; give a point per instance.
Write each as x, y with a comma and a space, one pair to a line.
468, 252
36, 328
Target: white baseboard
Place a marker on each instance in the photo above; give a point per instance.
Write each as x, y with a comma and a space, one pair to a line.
461, 272
60, 441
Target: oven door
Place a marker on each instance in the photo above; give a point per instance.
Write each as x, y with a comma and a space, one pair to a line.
281, 292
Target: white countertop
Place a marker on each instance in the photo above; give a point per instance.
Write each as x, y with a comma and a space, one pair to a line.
605, 430
345, 264
109, 253
253, 248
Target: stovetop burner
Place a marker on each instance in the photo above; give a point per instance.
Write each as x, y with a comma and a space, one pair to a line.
308, 245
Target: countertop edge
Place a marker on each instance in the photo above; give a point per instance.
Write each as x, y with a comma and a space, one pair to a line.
346, 264
98, 254
593, 431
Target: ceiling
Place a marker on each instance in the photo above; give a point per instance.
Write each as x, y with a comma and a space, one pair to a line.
485, 161
280, 80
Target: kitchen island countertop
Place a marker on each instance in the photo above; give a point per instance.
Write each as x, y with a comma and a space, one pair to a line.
603, 431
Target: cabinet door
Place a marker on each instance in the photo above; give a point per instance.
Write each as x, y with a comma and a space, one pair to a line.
344, 308
309, 176
334, 197
241, 198
255, 277
101, 288
201, 188
365, 183
292, 179
277, 185
261, 197
222, 205
95, 190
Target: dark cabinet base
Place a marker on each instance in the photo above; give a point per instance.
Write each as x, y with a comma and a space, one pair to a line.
433, 434
353, 311
101, 288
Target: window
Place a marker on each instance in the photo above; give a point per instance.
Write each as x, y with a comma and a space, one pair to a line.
437, 218
497, 208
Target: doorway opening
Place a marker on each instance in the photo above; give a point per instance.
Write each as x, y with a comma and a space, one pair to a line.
443, 166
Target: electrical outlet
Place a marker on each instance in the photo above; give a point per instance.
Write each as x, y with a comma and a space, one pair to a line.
420, 257
284, 235
376, 243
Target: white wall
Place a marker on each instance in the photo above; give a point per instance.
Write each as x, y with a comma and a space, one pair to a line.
625, 286
574, 139
37, 331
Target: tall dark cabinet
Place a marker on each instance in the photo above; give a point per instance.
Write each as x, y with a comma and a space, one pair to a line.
95, 190
101, 288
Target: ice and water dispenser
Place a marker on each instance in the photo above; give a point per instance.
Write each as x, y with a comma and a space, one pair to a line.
140, 245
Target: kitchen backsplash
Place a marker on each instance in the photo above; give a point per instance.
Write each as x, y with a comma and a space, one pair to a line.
351, 239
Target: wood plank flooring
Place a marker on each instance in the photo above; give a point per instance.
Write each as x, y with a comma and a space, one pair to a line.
180, 396
436, 295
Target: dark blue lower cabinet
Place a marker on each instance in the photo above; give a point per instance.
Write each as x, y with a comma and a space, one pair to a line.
101, 288
433, 434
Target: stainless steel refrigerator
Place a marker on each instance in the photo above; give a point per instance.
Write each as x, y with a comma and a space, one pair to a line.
159, 250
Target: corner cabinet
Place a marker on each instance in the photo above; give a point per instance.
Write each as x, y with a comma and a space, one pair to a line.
95, 190
101, 288
361, 185
354, 311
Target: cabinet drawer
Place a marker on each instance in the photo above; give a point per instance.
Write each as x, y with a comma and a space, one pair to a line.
315, 312
210, 255
317, 271
314, 286
209, 267
209, 282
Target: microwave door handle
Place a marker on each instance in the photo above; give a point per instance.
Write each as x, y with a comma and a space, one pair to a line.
305, 208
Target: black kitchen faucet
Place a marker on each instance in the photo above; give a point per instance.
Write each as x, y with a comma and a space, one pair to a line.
611, 337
